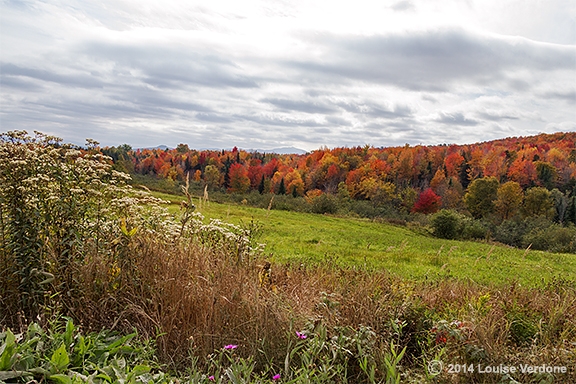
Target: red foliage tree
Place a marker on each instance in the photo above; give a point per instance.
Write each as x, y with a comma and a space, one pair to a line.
239, 180
428, 202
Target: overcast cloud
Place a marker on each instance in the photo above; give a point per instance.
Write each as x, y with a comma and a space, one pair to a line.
261, 74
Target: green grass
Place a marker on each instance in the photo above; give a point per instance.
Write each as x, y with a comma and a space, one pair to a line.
309, 238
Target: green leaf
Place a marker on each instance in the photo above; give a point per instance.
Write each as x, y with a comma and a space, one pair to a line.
69, 333
60, 359
6, 375
60, 378
104, 376
8, 351
80, 349
139, 370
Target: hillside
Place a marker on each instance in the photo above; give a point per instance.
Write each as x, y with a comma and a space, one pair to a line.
312, 239
394, 177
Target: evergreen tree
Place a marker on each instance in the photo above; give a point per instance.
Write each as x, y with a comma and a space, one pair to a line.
261, 185
571, 210
282, 188
294, 191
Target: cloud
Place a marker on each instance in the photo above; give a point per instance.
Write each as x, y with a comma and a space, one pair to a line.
404, 5
301, 105
566, 95
281, 120
83, 81
433, 60
375, 110
170, 67
213, 118
456, 118
497, 115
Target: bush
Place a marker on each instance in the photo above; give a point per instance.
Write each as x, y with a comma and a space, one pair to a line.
289, 203
447, 224
474, 229
554, 238
59, 204
325, 203
510, 232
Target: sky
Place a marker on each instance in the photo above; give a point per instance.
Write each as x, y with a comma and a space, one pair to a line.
299, 73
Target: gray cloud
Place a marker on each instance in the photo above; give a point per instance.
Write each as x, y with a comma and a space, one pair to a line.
213, 118
432, 60
170, 67
83, 81
374, 110
403, 5
457, 119
337, 121
569, 96
497, 116
280, 120
301, 105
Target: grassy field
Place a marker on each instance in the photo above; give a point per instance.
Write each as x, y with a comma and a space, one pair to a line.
308, 238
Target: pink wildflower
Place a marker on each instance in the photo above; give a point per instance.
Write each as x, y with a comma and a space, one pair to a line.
230, 346
211, 378
276, 377
301, 335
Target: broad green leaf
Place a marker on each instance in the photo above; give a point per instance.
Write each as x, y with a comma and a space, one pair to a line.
60, 378
7, 351
80, 349
121, 341
69, 333
139, 370
33, 330
60, 359
104, 376
6, 375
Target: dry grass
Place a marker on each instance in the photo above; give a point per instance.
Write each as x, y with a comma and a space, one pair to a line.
199, 299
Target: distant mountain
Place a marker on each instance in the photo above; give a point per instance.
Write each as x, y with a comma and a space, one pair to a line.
163, 147
278, 151
284, 151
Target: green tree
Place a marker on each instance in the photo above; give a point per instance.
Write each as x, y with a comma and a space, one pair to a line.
508, 199
261, 186
561, 203
446, 224
538, 202
282, 188
212, 176
547, 174
481, 196
182, 148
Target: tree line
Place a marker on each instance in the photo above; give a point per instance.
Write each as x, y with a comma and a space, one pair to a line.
413, 178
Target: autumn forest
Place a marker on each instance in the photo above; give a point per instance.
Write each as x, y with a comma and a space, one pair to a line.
491, 189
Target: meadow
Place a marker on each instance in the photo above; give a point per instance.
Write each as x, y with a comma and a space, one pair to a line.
297, 237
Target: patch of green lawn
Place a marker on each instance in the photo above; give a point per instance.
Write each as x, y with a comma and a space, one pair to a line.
349, 242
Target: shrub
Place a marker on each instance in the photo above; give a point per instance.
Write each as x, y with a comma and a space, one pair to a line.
510, 232
59, 204
474, 229
554, 238
325, 203
289, 203
63, 209
447, 224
